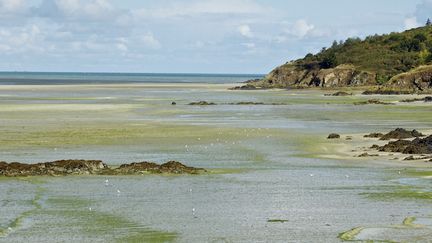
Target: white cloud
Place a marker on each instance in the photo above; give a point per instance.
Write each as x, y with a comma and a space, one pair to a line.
411, 23
150, 41
11, 6
249, 45
301, 28
245, 31
209, 7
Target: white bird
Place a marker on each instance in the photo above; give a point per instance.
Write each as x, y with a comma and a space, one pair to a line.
106, 182
193, 212
399, 172
311, 175
346, 176
90, 209
190, 190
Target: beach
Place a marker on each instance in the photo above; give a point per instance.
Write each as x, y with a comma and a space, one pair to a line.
272, 173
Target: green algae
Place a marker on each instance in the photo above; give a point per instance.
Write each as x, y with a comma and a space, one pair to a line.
78, 211
399, 193
350, 234
277, 220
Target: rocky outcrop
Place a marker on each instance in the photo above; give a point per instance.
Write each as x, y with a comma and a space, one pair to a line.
400, 133
171, 167
339, 93
61, 167
202, 103
333, 136
293, 75
373, 102
92, 167
416, 146
417, 80
374, 135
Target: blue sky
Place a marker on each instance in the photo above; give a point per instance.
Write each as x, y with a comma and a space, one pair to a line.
199, 36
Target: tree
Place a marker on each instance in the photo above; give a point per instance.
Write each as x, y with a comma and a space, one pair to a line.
329, 61
428, 22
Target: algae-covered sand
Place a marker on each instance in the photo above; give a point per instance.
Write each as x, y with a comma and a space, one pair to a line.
266, 162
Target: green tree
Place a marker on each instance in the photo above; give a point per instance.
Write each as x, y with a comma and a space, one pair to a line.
428, 22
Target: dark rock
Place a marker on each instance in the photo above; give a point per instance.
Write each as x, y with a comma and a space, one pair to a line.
368, 155
401, 133
340, 93
410, 158
428, 99
373, 102
382, 91
171, 167
333, 136
374, 135
61, 167
247, 103
246, 87
92, 167
375, 146
173, 103
417, 146
202, 103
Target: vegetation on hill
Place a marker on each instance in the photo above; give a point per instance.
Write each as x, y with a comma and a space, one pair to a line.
372, 61
385, 55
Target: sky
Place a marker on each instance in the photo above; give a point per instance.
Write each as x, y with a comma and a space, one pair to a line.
189, 36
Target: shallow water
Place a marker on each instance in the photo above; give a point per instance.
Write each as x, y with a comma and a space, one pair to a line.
264, 158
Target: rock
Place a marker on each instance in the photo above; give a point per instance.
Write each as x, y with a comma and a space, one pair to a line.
296, 75
171, 167
340, 93
417, 80
373, 102
333, 136
374, 135
202, 103
92, 167
348, 138
401, 133
383, 91
61, 167
173, 103
410, 158
247, 103
247, 86
368, 155
428, 99
417, 146
375, 146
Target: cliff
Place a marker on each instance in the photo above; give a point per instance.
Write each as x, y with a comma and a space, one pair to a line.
390, 61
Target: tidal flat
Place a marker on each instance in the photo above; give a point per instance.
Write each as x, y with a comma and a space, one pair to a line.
267, 164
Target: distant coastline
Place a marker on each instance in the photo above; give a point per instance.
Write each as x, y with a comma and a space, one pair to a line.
54, 78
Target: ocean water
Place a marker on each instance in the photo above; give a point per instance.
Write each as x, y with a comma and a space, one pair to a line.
40, 78
268, 163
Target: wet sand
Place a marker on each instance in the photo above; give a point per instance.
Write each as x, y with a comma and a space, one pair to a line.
274, 175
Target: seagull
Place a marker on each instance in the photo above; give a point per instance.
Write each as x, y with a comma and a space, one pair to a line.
90, 209
106, 182
190, 189
311, 175
193, 212
346, 176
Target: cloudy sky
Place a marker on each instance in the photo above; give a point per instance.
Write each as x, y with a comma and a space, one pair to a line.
204, 36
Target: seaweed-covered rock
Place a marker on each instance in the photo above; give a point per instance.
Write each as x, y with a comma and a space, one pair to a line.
339, 93
333, 136
401, 133
417, 146
373, 102
92, 167
374, 135
171, 167
61, 167
202, 103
